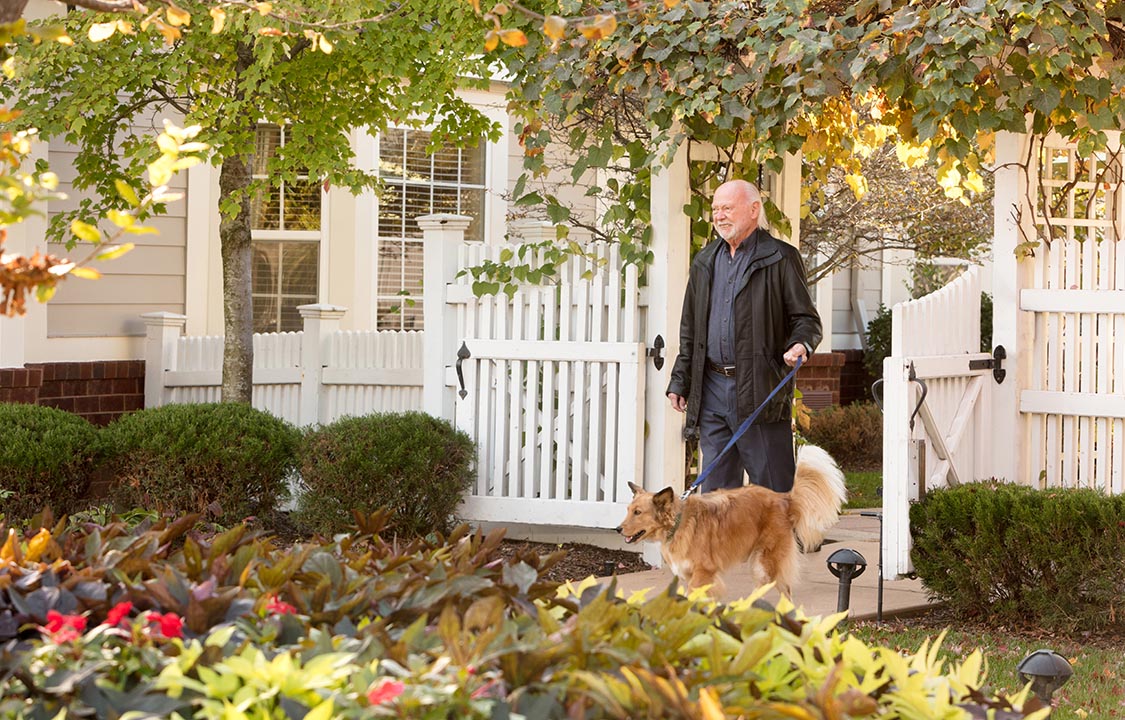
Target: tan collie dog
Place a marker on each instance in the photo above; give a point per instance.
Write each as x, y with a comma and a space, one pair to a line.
704, 536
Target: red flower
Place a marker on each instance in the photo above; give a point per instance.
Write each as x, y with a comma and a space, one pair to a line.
385, 691
279, 607
118, 613
64, 628
171, 624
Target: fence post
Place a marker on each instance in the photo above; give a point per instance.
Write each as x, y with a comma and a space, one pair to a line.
321, 321
162, 332
441, 236
532, 231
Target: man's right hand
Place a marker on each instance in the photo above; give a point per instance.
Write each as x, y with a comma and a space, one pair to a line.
679, 404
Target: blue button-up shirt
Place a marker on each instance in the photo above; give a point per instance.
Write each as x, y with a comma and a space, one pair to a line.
720, 322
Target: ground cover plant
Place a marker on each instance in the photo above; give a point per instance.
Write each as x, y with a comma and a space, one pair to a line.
100, 620
1095, 691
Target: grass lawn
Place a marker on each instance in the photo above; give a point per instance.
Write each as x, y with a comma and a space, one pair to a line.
863, 489
1096, 691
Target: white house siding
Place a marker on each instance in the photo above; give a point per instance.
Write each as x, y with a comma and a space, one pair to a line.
845, 335
150, 278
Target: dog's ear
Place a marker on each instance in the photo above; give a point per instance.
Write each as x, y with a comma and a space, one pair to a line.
637, 489
663, 498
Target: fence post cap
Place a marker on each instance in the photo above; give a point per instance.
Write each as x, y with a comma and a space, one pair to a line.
164, 319
322, 311
444, 221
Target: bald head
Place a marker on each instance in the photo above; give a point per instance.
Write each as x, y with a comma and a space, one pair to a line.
736, 211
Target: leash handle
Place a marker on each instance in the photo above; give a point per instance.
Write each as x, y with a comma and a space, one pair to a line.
742, 429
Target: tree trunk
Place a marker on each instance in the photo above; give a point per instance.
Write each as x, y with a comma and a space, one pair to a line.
238, 316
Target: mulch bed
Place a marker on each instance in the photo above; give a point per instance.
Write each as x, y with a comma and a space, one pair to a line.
581, 560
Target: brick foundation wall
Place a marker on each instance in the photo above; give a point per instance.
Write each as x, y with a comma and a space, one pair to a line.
855, 382
819, 379
100, 391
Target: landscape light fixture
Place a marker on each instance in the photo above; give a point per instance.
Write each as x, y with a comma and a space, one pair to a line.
846, 564
1047, 671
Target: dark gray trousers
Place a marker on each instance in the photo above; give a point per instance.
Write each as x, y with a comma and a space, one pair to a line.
764, 452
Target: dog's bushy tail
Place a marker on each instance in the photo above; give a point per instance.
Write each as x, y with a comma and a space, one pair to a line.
818, 493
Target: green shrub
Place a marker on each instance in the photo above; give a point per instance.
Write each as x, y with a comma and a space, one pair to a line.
360, 628
46, 457
225, 459
415, 465
852, 434
1054, 558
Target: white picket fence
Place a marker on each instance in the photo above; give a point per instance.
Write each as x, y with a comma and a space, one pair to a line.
553, 391
931, 440
340, 373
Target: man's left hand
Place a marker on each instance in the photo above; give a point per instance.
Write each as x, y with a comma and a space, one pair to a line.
795, 353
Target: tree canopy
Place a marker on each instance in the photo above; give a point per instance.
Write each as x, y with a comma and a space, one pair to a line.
624, 83
321, 69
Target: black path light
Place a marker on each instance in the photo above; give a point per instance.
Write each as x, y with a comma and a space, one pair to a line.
846, 564
1047, 671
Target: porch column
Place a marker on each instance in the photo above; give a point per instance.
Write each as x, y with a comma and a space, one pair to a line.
667, 281
441, 236
162, 332
320, 321
1009, 327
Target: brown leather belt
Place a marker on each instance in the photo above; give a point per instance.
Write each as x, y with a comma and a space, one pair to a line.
724, 370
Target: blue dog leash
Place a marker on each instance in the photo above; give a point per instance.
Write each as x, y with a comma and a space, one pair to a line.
742, 430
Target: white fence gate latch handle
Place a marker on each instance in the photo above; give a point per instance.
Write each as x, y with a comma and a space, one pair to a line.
462, 355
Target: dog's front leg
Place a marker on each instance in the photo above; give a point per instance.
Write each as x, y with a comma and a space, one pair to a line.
701, 577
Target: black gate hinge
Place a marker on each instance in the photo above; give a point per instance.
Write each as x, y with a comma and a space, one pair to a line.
995, 364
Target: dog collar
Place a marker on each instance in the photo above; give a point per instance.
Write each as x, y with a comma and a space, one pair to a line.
675, 527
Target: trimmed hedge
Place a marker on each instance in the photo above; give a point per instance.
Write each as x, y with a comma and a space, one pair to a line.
46, 458
1052, 558
227, 460
413, 464
852, 434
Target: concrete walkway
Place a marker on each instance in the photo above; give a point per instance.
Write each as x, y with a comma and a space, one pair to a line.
817, 591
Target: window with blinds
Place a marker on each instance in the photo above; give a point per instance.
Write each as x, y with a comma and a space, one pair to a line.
415, 182
285, 219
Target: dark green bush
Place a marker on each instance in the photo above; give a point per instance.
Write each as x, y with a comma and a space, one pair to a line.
413, 464
227, 460
852, 434
46, 457
1053, 558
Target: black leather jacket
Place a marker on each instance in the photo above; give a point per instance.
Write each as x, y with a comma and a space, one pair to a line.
773, 310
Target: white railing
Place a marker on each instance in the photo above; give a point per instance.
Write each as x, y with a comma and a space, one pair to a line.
932, 440
340, 373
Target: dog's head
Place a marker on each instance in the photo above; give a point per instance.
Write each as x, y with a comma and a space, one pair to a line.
649, 514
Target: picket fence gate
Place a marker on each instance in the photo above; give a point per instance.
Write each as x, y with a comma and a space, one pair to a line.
1047, 407
551, 388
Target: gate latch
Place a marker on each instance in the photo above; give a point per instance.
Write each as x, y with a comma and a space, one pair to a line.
462, 355
656, 352
996, 364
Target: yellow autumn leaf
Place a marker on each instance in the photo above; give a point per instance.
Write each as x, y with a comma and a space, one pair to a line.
709, 704
973, 182
326, 47
857, 183
554, 27
61, 269
264, 8
125, 27
127, 193
49, 180
669, 4
10, 551
102, 31
270, 32
171, 34
85, 231
491, 40
38, 544
219, 20
602, 26
114, 251
178, 16
86, 273
514, 38
43, 293
120, 219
